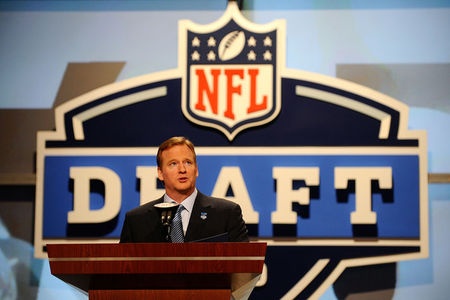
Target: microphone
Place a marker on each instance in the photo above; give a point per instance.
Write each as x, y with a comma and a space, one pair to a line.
167, 211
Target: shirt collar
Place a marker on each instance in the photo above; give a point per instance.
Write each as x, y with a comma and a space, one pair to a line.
188, 203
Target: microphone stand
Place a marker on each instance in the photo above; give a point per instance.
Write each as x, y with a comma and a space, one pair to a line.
167, 212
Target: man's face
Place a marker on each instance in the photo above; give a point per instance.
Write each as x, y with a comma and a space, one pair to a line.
179, 172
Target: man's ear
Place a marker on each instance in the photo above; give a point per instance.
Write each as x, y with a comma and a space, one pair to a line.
160, 174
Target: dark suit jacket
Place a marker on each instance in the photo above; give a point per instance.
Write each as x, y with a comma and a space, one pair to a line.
210, 216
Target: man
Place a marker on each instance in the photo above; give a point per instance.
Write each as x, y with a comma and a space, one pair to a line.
203, 217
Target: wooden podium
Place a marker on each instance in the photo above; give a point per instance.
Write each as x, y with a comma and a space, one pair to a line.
159, 270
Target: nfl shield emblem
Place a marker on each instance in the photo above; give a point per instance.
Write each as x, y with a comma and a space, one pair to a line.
231, 78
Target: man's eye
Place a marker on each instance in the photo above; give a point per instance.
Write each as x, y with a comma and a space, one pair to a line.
173, 164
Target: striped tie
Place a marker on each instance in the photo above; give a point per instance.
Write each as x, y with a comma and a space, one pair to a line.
176, 233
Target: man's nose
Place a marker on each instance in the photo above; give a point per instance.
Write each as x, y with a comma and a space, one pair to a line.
182, 168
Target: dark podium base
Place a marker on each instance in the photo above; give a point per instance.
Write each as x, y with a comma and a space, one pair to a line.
160, 294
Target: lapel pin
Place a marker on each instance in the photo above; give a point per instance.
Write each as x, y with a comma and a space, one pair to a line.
203, 215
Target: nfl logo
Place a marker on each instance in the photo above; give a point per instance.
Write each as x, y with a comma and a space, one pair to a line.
231, 80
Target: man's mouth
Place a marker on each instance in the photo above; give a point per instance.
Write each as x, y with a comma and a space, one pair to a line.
182, 179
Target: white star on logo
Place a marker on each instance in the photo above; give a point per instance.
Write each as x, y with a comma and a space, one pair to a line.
196, 42
211, 55
251, 42
267, 55
195, 56
267, 41
251, 55
211, 42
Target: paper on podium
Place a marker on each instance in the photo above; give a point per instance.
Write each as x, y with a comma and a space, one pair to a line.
242, 285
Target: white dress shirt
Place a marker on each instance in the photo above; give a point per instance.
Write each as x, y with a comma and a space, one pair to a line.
188, 204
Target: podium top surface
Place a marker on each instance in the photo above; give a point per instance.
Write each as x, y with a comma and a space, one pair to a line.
127, 250
156, 258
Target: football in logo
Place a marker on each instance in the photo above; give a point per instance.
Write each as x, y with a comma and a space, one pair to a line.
231, 45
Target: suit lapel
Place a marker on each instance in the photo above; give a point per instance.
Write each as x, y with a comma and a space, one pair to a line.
199, 218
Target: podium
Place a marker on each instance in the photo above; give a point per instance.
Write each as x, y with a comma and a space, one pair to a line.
159, 270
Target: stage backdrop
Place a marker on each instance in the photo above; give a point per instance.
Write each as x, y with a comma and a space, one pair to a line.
332, 173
